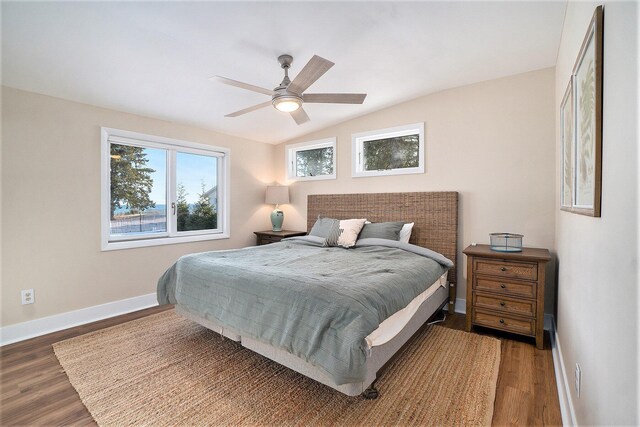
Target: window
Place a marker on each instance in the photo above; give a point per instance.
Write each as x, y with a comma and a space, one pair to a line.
393, 151
158, 191
311, 160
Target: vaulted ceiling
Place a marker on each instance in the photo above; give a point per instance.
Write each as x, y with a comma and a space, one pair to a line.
156, 58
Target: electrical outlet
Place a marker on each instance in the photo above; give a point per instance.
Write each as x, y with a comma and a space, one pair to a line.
578, 375
28, 296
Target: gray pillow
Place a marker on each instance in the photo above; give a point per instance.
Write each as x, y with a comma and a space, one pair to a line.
323, 227
334, 234
327, 228
381, 230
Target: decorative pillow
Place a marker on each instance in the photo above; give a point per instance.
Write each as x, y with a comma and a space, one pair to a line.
349, 230
323, 227
381, 230
405, 232
334, 233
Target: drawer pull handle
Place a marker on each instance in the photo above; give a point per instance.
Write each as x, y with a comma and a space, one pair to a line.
502, 303
503, 269
501, 320
502, 285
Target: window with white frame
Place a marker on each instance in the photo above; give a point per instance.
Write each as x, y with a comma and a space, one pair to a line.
311, 160
158, 191
393, 151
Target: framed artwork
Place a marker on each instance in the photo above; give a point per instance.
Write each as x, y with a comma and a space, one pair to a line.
587, 91
568, 142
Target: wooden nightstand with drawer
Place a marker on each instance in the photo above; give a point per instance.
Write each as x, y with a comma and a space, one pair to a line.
268, 236
505, 290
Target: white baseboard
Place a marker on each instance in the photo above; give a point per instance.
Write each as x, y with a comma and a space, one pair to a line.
461, 306
45, 325
564, 390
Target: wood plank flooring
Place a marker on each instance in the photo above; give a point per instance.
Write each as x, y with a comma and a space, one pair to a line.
35, 390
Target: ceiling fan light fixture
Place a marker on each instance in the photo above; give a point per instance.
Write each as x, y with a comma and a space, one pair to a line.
287, 103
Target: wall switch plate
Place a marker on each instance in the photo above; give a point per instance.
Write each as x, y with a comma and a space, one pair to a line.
578, 375
28, 296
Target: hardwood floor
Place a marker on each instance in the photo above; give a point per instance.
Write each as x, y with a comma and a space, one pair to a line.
35, 390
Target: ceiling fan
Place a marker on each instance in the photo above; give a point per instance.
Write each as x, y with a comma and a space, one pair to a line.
288, 97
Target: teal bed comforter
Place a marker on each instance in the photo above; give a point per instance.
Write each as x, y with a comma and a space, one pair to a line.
316, 302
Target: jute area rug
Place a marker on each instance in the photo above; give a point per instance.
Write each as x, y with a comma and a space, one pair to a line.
166, 370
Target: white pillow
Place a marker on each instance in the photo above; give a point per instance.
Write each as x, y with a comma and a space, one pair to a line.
405, 232
350, 229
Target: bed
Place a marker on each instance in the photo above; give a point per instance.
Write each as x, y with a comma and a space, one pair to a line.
335, 315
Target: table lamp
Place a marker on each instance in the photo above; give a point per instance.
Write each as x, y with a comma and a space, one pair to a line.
277, 195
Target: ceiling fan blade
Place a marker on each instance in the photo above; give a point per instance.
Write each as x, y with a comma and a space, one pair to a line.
300, 116
246, 86
249, 109
335, 98
312, 71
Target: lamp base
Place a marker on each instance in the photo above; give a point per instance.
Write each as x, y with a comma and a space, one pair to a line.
277, 218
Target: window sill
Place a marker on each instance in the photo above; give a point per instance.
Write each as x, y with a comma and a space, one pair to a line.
311, 178
387, 172
160, 241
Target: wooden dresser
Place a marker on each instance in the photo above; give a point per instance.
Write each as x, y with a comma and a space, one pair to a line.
505, 290
268, 236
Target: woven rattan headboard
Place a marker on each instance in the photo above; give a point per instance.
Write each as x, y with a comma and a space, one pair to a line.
435, 215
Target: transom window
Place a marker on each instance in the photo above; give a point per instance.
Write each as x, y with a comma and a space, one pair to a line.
393, 151
159, 191
311, 160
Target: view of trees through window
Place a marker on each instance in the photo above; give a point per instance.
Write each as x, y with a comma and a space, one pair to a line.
138, 189
392, 153
314, 162
198, 216
139, 178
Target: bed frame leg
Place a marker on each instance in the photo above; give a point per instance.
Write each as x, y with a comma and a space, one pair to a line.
370, 393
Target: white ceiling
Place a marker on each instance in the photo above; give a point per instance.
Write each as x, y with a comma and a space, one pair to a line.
155, 58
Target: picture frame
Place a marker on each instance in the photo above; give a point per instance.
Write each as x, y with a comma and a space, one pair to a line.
567, 137
587, 94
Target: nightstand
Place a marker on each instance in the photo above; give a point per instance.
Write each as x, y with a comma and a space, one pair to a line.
269, 236
505, 290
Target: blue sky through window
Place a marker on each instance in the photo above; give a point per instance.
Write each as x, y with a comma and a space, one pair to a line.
191, 171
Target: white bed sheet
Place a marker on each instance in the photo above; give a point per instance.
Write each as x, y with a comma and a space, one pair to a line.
390, 327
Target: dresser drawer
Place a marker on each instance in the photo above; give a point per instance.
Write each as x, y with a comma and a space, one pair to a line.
508, 287
517, 270
504, 322
505, 304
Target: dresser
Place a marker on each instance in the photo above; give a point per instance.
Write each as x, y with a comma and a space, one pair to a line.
505, 290
268, 236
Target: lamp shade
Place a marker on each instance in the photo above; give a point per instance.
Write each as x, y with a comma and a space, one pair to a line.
277, 195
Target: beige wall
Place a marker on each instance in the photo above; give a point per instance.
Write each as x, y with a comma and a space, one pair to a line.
597, 257
51, 205
493, 142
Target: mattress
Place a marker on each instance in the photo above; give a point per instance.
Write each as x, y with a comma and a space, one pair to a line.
390, 327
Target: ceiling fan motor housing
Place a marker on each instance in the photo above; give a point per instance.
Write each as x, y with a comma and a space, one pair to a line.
282, 98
